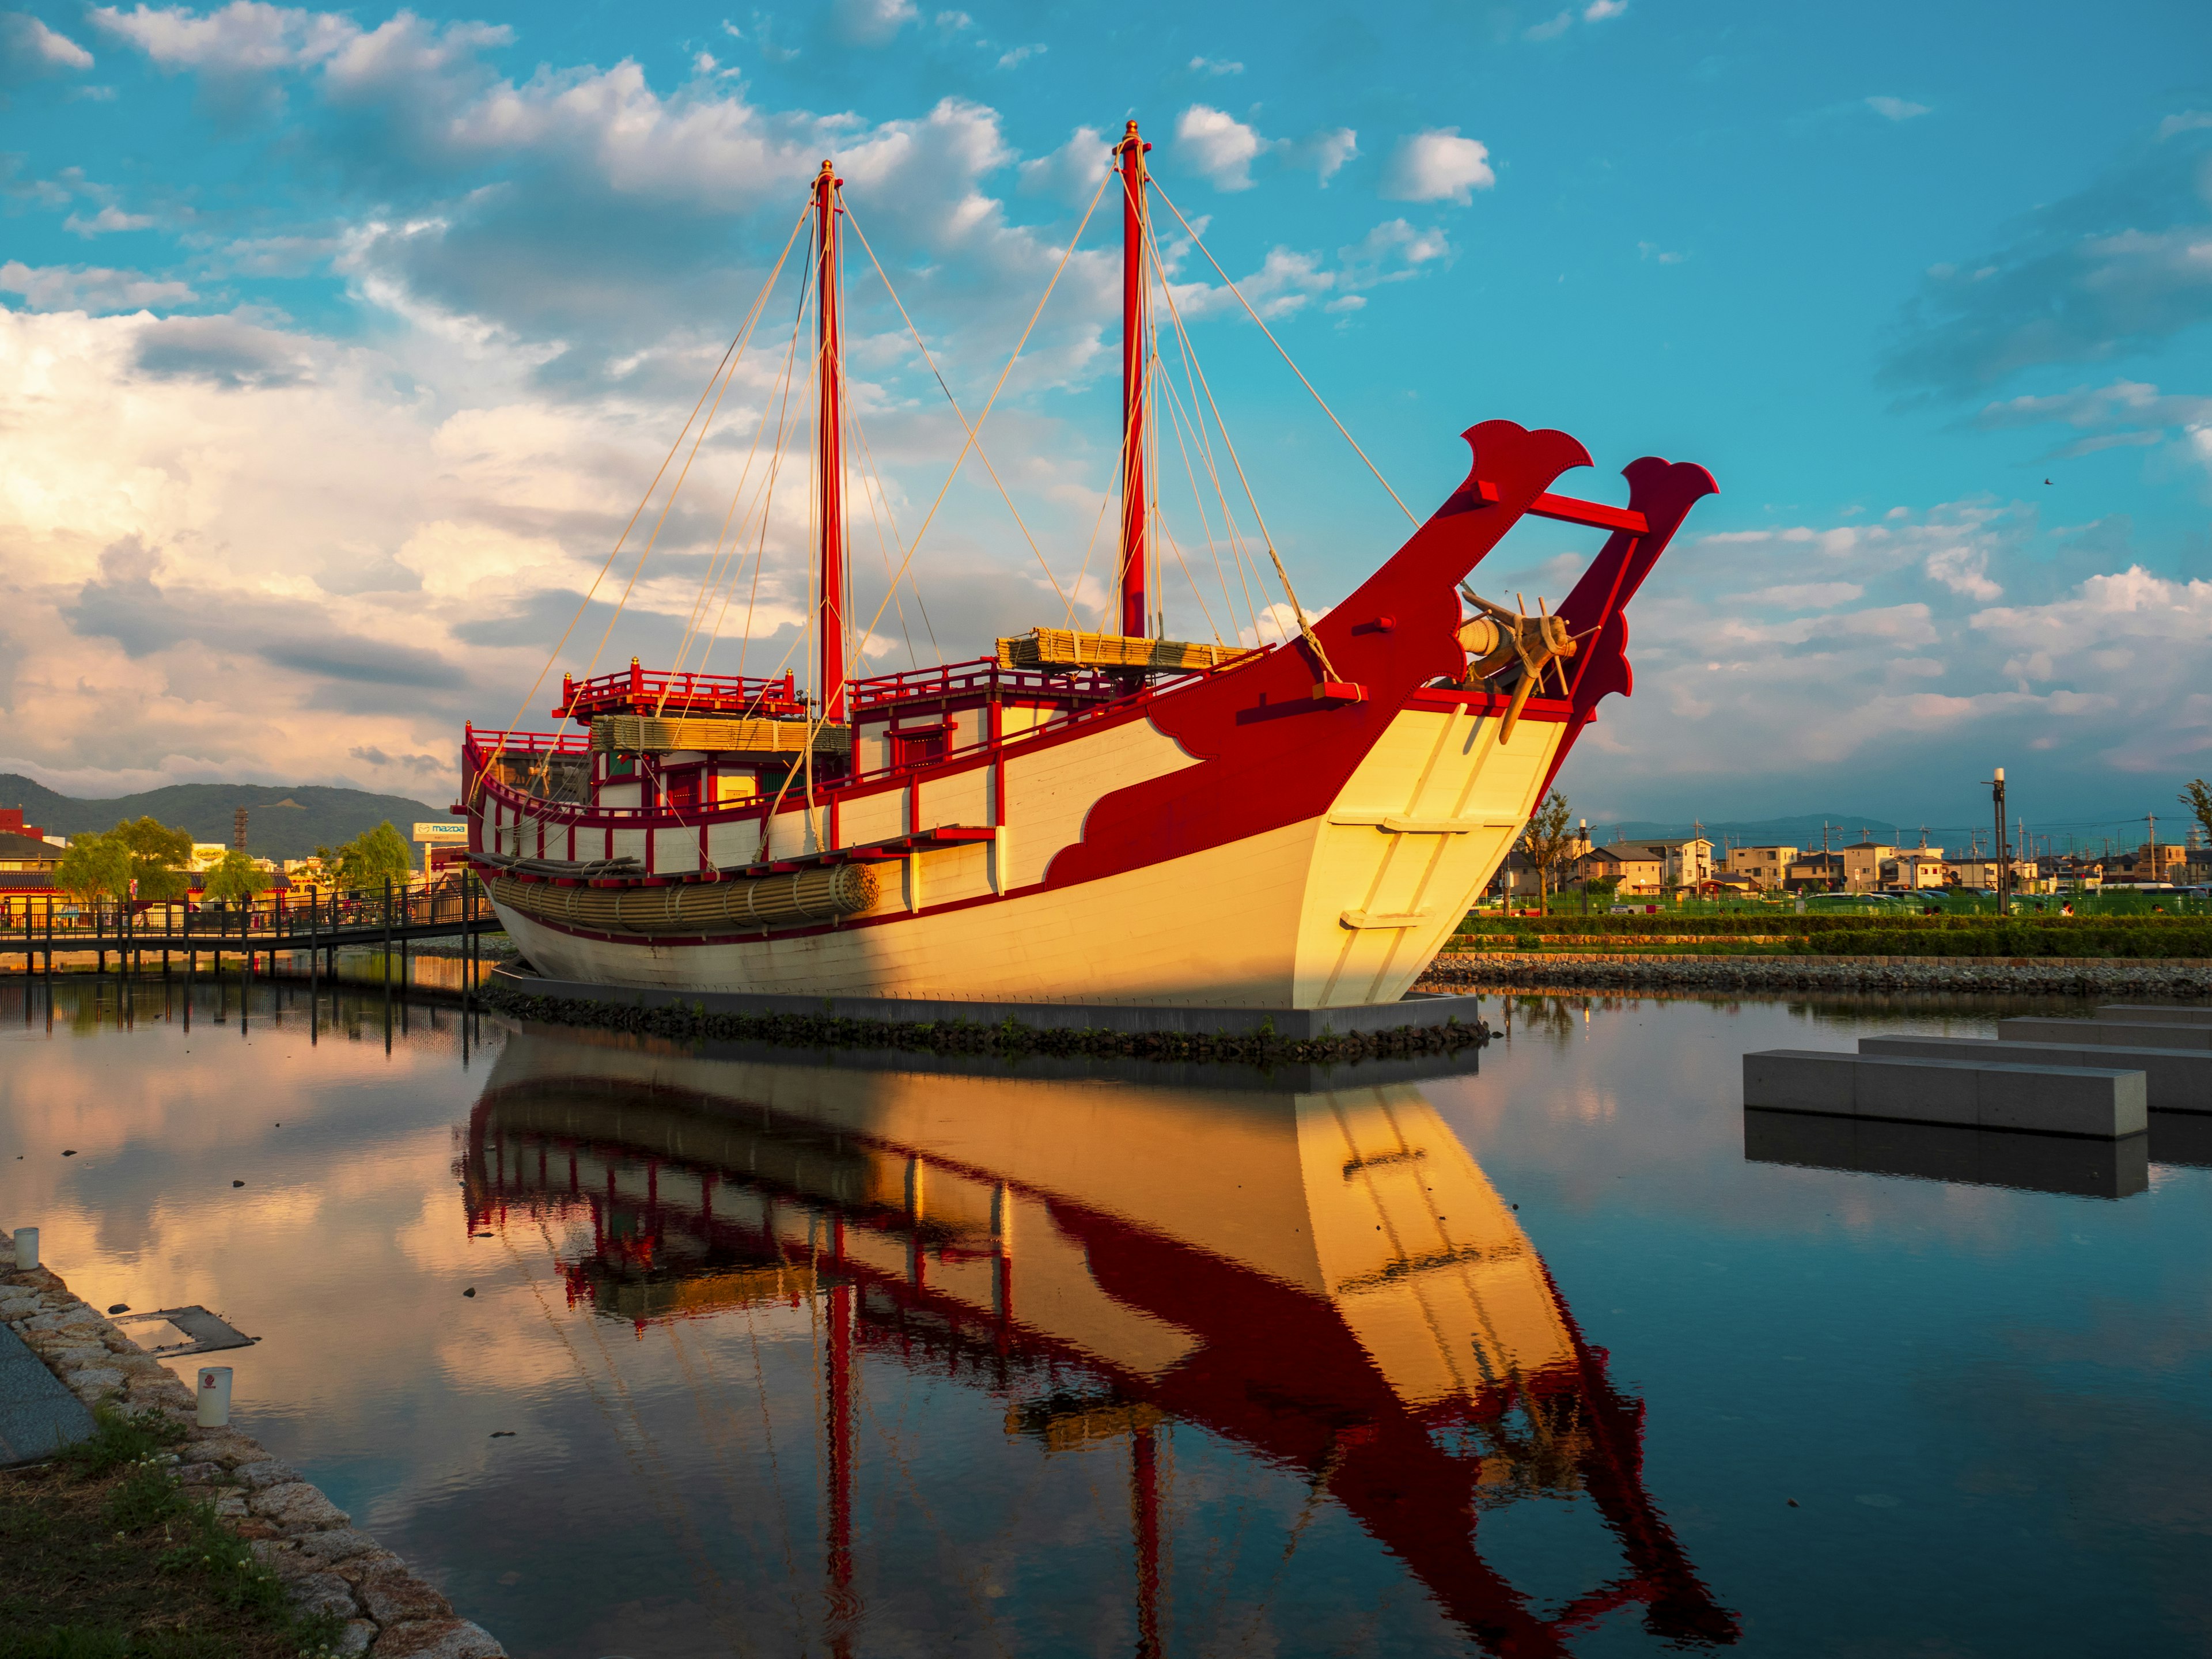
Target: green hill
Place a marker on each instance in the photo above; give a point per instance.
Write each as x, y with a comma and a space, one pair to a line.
282, 822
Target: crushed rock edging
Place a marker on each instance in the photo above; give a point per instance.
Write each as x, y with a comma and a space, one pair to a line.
298, 1533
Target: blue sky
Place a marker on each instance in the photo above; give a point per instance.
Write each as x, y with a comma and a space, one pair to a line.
340, 345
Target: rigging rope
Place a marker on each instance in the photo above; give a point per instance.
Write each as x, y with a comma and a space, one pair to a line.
583, 605
1285, 355
980, 454
1306, 627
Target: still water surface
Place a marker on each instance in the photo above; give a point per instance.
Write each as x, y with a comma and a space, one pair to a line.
774, 1352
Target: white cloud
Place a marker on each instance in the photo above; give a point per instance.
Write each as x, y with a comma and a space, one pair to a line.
245, 35
109, 218
90, 288
1216, 66
1019, 55
2187, 121
1598, 10
1219, 146
28, 47
872, 22
1551, 29
1327, 151
1071, 172
1895, 109
1439, 165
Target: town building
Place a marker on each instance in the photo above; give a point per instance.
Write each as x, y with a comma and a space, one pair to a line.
1917, 870
1862, 862
1767, 865
1634, 865
1814, 872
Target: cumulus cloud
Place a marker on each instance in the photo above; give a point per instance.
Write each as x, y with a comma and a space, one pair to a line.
2118, 266
1438, 166
29, 50
109, 218
1327, 151
1219, 146
1216, 66
90, 288
243, 36
872, 22
1895, 109
1897, 646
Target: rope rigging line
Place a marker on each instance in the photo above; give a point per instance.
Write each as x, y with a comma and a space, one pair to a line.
815, 725
876, 476
1188, 414
708, 583
583, 605
980, 454
1306, 627
1285, 355
668, 506
1228, 606
1236, 538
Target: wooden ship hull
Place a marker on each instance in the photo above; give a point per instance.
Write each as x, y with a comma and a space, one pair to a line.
1082, 818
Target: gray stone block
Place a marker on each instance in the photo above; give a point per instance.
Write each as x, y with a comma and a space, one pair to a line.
1801, 1080
2102, 1102
2157, 1013
2179, 1080
2105, 1033
1936, 1152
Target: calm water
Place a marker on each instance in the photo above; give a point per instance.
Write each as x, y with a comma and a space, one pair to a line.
777, 1354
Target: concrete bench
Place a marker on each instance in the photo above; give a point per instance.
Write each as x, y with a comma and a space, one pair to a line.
1940, 1151
2067, 1100
2105, 1033
2156, 1014
2177, 1080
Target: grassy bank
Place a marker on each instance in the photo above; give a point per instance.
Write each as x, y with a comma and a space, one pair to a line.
102, 1555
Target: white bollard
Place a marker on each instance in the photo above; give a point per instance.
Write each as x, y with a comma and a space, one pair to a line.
26, 1248
215, 1397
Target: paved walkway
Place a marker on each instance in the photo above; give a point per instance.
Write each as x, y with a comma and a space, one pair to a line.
38, 1415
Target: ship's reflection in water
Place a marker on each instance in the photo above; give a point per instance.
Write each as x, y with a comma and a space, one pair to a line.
1313, 1275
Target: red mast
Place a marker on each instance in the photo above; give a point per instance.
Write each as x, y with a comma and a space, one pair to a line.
829, 445
1135, 336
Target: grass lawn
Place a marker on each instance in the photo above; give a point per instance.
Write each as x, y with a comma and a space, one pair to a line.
102, 1557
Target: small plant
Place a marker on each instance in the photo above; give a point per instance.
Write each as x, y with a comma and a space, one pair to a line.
120, 1436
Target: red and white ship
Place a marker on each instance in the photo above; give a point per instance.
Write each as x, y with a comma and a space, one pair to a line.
1082, 818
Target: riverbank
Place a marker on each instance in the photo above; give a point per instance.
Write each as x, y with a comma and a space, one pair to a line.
297, 1554
2179, 977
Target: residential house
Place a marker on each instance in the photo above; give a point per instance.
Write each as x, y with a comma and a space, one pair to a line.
1688, 860
1633, 864
1862, 862
1814, 872
1917, 869
1767, 865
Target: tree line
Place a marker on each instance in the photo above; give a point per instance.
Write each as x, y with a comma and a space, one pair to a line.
144, 859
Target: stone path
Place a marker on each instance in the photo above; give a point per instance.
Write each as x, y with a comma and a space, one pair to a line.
297, 1532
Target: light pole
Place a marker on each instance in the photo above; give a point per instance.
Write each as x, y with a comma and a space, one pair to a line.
1998, 796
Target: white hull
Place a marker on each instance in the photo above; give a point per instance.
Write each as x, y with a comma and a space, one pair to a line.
1344, 909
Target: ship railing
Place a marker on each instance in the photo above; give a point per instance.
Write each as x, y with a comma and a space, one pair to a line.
636, 689
486, 779
981, 674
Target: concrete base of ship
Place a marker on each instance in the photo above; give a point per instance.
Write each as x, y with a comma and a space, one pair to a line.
1419, 1010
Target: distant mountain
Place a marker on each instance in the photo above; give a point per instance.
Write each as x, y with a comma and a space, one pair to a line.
1843, 830
282, 822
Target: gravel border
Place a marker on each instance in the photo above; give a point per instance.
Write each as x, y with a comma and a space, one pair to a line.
296, 1531
2051, 975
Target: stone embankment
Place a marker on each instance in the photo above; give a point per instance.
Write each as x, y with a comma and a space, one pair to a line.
2053, 975
296, 1531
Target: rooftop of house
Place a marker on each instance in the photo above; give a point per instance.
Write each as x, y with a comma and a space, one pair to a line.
16, 849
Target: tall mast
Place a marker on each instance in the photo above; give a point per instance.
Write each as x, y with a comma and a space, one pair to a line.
829, 445
1135, 335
